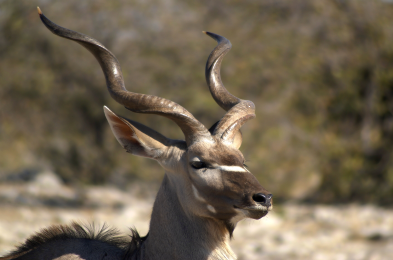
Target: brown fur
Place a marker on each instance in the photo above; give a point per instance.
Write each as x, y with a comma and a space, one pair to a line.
109, 236
199, 202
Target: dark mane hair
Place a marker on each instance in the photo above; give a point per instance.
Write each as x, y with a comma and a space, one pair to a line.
111, 236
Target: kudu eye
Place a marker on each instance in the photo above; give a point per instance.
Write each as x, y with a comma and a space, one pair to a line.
198, 165
143, 141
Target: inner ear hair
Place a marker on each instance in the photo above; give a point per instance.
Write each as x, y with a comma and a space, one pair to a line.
135, 137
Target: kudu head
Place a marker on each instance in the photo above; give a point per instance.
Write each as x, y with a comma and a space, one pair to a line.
206, 170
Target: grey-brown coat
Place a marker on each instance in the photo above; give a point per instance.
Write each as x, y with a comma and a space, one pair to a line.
206, 190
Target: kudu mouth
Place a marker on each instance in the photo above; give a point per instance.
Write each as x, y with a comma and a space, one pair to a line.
221, 138
254, 212
258, 205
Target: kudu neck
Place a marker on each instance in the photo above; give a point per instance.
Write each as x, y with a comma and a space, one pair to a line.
178, 234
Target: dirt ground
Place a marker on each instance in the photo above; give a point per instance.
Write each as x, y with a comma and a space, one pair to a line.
290, 231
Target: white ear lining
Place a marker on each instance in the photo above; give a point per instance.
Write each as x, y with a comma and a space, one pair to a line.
136, 138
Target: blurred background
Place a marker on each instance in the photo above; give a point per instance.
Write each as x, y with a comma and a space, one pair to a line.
319, 72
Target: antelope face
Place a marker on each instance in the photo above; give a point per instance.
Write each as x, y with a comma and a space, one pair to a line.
221, 185
207, 169
206, 188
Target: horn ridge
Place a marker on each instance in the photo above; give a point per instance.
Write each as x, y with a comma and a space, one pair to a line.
140, 103
229, 134
238, 111
235, 118
213, 76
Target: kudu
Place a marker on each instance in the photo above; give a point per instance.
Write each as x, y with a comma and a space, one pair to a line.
206, 190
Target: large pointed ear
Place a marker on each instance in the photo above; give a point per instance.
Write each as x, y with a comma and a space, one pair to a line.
237, 139
136, 138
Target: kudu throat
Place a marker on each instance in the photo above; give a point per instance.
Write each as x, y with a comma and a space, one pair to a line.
189, 236
207, 188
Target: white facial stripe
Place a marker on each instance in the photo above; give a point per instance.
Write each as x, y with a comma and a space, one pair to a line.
196, 194
211, 208
231, 168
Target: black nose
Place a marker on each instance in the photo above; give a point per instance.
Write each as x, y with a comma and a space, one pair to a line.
263, 199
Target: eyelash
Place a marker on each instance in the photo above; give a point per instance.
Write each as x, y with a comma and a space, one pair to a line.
245, 165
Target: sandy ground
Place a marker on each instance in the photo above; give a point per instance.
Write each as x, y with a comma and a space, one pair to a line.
291, 231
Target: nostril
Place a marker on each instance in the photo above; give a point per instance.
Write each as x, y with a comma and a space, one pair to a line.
260, 198
264, 199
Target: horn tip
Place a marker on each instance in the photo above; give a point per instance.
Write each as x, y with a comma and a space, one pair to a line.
216, 37
39, 11
213, 35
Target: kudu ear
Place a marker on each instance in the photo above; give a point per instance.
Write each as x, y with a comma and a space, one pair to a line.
136, 138
237, 139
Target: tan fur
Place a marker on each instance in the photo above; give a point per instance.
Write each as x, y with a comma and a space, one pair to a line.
206, 190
